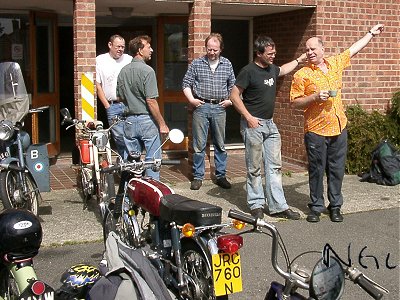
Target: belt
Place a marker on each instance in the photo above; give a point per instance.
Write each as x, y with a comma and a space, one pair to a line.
211, 101
113, 101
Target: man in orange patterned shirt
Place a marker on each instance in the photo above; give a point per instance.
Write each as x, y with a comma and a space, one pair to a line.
316, 88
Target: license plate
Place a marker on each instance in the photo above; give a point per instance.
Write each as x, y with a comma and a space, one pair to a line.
227, 273
47, 294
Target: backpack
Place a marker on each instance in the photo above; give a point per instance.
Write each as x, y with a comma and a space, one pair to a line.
127, 274
385, 165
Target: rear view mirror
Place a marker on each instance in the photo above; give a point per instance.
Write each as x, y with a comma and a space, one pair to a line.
176, 136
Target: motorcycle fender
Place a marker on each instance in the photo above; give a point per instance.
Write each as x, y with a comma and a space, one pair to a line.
37, 162
4, 163
203, 243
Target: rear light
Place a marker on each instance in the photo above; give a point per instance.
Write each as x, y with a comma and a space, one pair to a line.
38, 288
188, 230
104, 164
230, 243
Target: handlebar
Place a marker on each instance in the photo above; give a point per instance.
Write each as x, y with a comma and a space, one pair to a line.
370, 287
139, 166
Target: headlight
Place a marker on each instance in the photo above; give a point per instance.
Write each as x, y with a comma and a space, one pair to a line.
100, 140
6, 130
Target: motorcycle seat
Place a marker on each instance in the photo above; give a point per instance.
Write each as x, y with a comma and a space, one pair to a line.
181, 210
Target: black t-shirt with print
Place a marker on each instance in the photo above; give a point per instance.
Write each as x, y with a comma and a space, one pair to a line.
259, 86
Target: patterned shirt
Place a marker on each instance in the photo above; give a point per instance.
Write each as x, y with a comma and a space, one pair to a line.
323, 118
206, 84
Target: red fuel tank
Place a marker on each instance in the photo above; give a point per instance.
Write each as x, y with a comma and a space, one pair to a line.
147, 193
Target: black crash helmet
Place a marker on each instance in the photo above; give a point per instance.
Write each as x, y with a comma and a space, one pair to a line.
20, 234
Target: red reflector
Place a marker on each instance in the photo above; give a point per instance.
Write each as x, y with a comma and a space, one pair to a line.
38, 287
105, 164
230, 243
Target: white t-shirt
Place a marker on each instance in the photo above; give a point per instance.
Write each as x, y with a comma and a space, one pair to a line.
107, 70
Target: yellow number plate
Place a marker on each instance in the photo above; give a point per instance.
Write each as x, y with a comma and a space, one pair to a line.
227, 273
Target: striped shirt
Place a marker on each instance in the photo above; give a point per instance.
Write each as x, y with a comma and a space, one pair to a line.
206, 84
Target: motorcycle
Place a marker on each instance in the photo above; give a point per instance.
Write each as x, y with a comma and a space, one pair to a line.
182, 237
325, 281
21, 236
24, 167
95, 153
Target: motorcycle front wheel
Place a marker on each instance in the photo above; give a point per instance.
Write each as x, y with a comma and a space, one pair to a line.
12, 192
196, 266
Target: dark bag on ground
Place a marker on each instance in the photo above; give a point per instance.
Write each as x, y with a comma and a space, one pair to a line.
385, 165
127, 274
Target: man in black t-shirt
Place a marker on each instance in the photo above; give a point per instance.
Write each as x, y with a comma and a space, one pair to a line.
256, 83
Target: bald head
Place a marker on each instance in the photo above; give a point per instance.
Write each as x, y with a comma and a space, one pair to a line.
315, 50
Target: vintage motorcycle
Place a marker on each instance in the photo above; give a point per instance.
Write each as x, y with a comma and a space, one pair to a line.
181, 236
95, 153
324, 282
24, 166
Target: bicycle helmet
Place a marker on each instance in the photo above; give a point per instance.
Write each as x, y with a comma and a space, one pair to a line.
77, 281
20, 234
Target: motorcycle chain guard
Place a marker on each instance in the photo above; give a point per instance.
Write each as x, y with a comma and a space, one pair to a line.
181, 210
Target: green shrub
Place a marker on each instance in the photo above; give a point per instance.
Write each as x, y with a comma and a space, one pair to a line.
367, 130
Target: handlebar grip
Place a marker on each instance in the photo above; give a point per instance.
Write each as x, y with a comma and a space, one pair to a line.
241, 216
110, 169
171, 162
367, 286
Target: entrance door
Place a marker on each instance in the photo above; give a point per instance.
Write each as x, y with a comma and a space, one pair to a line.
45, 80
172, 63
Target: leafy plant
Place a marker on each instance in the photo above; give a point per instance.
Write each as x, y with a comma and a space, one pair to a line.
366, 130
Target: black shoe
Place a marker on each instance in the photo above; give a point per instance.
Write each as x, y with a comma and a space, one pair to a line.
313, 216
222, 182
196, 184
287, 214
335, 215
257, 213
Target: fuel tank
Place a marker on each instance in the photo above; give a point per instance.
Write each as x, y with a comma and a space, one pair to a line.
147, 193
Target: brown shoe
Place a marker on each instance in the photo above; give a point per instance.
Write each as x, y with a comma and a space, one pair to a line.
287, 214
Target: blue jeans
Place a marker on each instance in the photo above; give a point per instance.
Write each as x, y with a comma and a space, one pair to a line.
326, 154
117, 131
141, 130
210, 116
263, 145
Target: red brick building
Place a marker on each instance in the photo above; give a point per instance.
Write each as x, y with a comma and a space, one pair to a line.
84, 24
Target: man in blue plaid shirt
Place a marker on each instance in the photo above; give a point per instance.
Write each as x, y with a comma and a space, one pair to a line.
207, 86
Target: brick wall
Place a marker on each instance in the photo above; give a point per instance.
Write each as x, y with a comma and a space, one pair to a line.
84, 46
371, 80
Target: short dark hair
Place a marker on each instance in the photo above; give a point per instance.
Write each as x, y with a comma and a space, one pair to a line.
261, 42
216, 36
137, 43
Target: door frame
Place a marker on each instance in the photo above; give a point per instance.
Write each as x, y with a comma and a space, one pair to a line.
42, 99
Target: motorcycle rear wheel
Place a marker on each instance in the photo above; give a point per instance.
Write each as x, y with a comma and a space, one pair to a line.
11, 187
106, 187
195, 265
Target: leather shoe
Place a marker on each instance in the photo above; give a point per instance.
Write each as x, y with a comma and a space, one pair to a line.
257, 213
196, 184
335, 215
287, 214
313, 216
222, 182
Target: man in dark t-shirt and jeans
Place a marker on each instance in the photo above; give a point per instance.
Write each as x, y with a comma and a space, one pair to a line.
256, 83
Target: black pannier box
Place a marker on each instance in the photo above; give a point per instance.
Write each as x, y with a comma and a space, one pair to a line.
181, 210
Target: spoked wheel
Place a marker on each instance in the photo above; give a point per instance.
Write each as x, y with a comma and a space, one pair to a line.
106, 187
196, 266
84, 184
12, 193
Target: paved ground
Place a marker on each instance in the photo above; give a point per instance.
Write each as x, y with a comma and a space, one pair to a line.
64, 220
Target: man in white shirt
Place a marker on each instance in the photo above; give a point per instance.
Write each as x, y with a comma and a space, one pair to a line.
108, 66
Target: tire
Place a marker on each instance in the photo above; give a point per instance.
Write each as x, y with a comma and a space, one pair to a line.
196, 265
106, 187
10, 188
109, 223
84, 184
8, 287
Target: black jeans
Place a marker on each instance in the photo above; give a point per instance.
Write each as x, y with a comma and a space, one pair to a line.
326, 154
